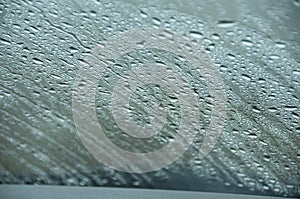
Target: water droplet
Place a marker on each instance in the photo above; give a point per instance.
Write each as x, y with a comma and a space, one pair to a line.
195, 34
246, 77
226, 23
37, 61
247, 42
280, 45
290, 108
143, 14
255, 109
252, 135
5, 41
216, 36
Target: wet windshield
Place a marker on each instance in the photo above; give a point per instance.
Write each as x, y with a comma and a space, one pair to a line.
206, 93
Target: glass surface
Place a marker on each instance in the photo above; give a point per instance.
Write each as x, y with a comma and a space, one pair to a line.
254, 45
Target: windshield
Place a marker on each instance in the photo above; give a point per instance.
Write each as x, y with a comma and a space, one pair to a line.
161, 94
